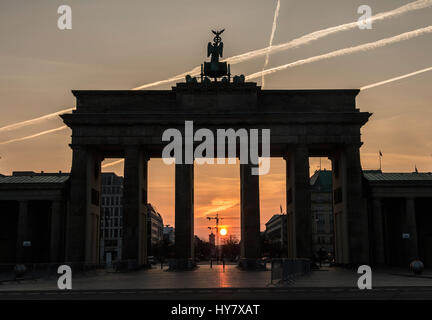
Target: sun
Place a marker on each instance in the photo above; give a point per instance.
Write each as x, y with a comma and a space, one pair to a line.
223, 232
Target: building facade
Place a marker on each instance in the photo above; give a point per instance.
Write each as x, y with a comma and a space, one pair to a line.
33, 209
155, 228
322, 213
276, 229
111, 222
400, 215
169, 234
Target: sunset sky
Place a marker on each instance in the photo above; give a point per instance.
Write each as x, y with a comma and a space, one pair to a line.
124, 44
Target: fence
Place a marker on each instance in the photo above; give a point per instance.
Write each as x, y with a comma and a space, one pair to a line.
286, 270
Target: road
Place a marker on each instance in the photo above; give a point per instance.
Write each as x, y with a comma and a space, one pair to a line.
274, 293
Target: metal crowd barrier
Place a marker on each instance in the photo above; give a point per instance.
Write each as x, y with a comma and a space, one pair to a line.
287, 270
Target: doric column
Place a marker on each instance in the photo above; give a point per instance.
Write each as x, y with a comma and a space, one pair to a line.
250, 213
55, 238
378, 232
134, 206
76, 230
341, 244
291, 243
299, 219
355, 206
93, 207
351, 221
184, 211
23, 233
82, 233
410, 227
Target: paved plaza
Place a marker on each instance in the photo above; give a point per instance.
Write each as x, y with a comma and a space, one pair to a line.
216, 277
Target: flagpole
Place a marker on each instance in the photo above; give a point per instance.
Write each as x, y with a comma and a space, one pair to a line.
380, 156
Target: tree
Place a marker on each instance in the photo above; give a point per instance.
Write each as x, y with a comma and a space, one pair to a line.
202, 248
231, 248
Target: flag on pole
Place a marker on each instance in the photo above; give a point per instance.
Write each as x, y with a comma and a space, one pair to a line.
281, 208
380, 153
415, 167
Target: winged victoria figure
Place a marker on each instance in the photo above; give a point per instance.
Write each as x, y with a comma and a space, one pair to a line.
215, 69
215, 49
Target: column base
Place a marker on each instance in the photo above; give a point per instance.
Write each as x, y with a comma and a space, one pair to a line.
252, 264
181, 265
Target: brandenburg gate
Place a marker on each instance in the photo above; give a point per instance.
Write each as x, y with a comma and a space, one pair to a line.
130, 124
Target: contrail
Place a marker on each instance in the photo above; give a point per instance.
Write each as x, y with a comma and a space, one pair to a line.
34, 135
273, 31
416, 5
333, 54
195, 71
112, 163
413, 6
35, 120
345, 51
377, 84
